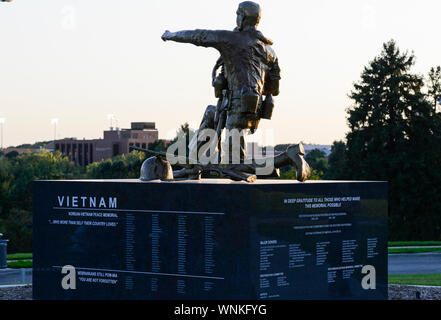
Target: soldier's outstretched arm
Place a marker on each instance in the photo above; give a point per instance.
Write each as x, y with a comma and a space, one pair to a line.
199, 37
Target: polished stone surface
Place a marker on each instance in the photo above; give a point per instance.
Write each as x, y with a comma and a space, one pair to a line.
210, 239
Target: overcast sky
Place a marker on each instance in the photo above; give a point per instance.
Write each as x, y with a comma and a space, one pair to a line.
81, 60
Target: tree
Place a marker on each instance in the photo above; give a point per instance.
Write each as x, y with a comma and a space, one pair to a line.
337, 162
390, 122
159, 145
124, 166
183, 134
316, 159
290, 174
16, 177
11, 154
434, 85
36, 145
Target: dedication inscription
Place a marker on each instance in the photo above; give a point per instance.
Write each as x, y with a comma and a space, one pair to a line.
159, 240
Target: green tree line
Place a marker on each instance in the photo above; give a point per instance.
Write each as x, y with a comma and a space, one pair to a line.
16, 176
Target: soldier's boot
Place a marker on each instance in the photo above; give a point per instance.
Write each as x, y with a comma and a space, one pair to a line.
238, 175
294, 156
187, 173
242, 176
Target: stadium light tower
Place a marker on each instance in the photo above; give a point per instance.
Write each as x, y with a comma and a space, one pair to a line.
2, 121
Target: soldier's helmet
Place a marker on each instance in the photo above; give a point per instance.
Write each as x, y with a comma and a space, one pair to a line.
156, 168
251, 13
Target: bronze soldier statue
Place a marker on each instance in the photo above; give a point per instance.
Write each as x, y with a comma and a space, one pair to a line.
249, 63
249, 71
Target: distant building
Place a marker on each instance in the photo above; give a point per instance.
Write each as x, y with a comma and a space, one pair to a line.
115, 142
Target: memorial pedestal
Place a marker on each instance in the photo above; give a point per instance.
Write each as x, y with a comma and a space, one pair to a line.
210, 239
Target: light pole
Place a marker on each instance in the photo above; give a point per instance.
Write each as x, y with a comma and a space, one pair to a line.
111, 117
55, 123
2, 121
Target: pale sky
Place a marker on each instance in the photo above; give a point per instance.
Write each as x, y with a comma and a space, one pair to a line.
80, 60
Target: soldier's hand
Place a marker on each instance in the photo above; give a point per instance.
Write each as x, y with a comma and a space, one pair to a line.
166, 35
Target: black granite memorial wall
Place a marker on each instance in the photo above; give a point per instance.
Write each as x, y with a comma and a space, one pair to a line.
210, 239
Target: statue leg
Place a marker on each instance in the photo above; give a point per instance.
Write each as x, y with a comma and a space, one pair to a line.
237, 129
207, 122
236, 146
187, 173
195, 145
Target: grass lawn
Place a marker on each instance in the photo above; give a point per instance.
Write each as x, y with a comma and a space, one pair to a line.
16, 264
19, 260
413, 243
19, 256
413, 250
416, 279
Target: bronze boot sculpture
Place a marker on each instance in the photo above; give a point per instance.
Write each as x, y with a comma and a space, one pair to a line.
294, 156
